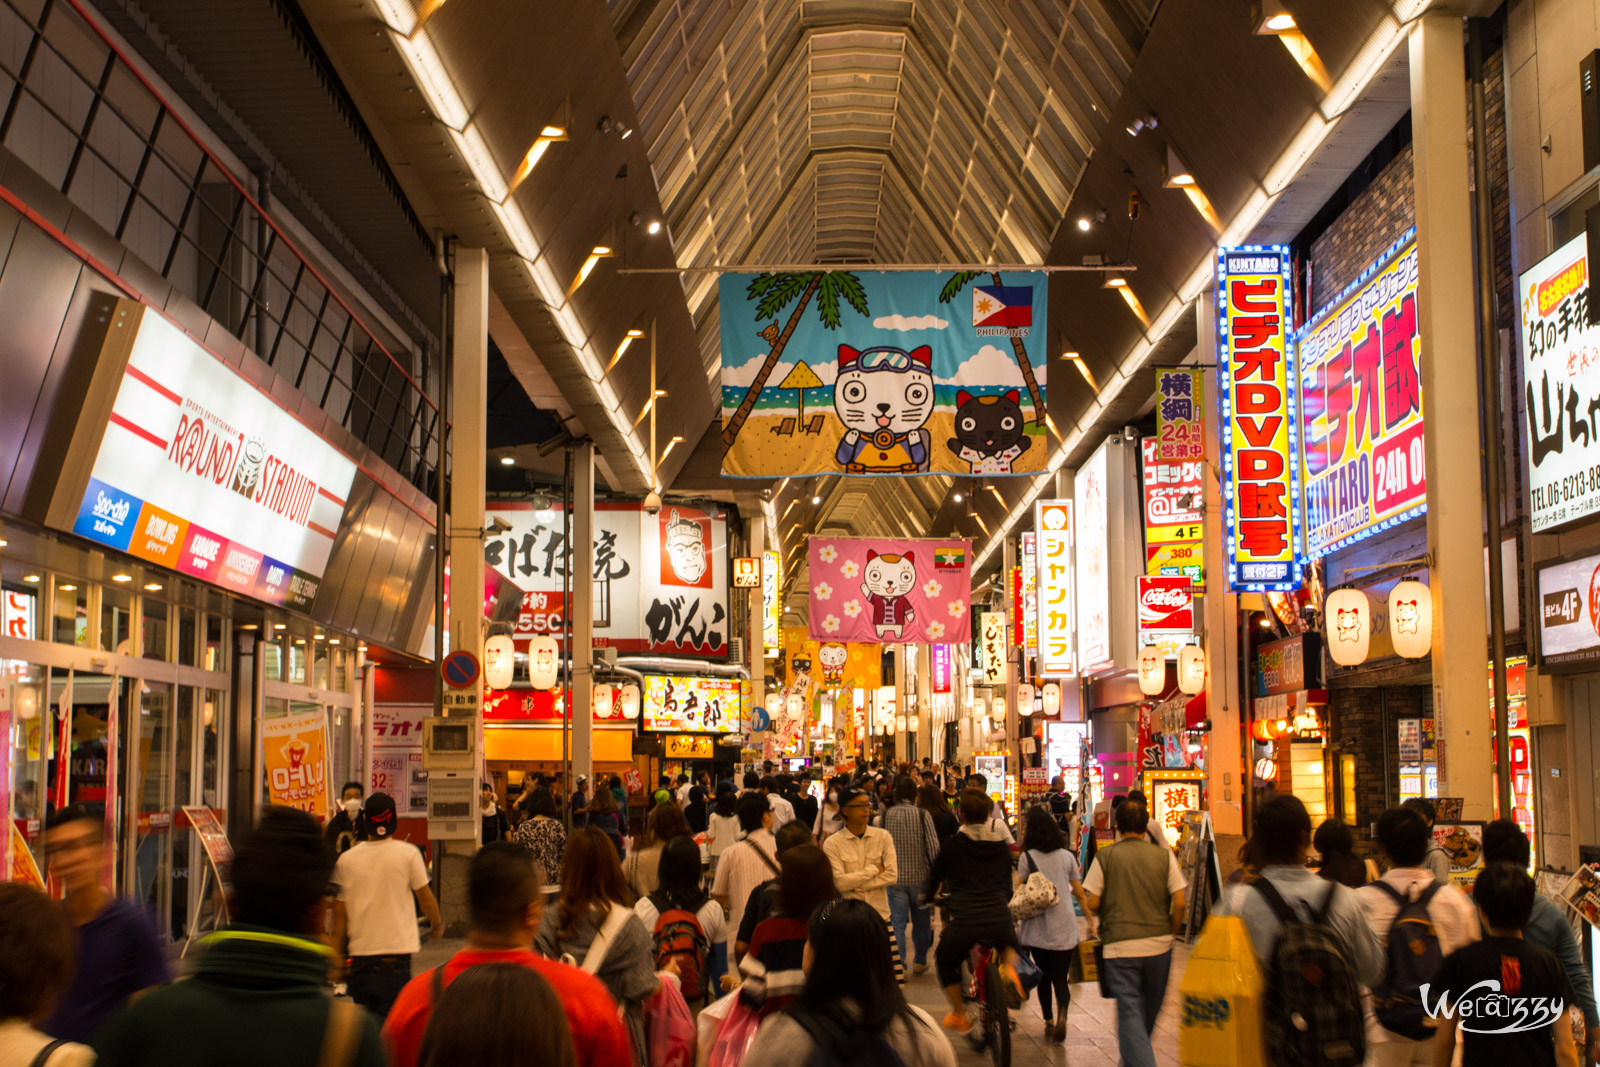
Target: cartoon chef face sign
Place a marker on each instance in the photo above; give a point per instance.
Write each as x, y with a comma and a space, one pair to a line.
685, 550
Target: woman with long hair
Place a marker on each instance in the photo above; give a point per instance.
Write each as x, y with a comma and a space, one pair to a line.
605, 816
664, 823
723, 827
850, 1003
945, 824
497, 1013
829, 818
1051, 938
593, 907
679, 888
696, 812
542, 835
772, 968
1336, 845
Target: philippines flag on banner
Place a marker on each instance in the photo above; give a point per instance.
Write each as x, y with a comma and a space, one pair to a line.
1002, 305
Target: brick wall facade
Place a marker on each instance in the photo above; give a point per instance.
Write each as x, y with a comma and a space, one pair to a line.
1377, 217
1363, 724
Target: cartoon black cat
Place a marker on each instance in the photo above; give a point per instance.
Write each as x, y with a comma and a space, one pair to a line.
989, 433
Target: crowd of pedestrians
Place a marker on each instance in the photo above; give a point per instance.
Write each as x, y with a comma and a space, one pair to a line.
809, 917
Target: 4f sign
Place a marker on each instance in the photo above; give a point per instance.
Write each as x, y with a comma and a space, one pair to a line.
1056, 609
1260, 478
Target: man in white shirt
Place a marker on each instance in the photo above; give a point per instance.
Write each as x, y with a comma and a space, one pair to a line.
782, 810
380, 883
682, 792
862, 855
997, 822
746, 864
1405, 838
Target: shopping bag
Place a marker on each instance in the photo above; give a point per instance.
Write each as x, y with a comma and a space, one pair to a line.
734, 1037
669, 1028
709, 1021
1028, 973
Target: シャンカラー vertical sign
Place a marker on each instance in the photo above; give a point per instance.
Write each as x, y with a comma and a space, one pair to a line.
1057, 611
1361, 406
1562, 387
1174, 516
1260, 475
992, 632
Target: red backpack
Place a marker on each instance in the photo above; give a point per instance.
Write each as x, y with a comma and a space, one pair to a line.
679, 936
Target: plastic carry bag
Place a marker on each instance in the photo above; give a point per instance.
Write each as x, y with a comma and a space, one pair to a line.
669, 1027
1028, 973
734, 1036
709, 1021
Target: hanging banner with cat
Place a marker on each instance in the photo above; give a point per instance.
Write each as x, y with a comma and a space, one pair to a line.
880, 591
885, 373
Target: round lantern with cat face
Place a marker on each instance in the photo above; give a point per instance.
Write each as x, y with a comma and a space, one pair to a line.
1347, 619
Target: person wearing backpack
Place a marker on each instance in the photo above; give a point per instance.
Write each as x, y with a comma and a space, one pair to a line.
1313, 940
505, 907
1418, 922
686, 926
851, 1012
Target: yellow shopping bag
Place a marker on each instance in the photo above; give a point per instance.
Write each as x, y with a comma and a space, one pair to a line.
1219, 999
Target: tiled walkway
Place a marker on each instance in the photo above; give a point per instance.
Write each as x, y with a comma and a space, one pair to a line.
1091, 1024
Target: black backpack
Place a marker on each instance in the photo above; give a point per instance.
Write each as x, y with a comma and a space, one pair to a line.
1414, 959
833, 1046
1312, 1004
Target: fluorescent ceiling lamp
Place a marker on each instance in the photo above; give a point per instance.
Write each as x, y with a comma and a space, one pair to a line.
598, 253
507, 461
547, 137
622, 347
428, 71
398, 15
1270, 16
480, 161
665, 452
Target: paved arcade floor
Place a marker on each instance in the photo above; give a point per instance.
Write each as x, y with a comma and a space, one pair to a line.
1091, 1024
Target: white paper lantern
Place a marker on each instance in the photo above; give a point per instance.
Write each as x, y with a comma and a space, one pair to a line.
796, 706
1024, 700
544, 662
1411, 619
499, 657
914, 724
1152, 671
1347, 622
998, 704
629, 701
900, 723
1052, 700
604, 700
1191, 669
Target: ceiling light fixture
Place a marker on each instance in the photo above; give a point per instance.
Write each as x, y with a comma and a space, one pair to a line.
957, 497
333, 641
1084, 224
1175, 174
547, 137
596, 254
815, 501
622, 347
1139, 125
31, 578
666, 451
1279, 23
1114, 279
507, 461
427, 70
1083, 369
152, 587
122, 577
648, 404
1269, 17
654, 227
280, 626
67, 587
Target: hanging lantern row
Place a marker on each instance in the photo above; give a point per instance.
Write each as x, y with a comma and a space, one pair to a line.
1347, 615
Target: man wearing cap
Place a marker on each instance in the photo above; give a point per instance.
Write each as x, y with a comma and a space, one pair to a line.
377, 881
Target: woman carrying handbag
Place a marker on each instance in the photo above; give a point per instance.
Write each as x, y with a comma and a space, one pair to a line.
1051, 936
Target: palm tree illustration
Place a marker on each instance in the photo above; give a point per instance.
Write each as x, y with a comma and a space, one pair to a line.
952, 289
775, 292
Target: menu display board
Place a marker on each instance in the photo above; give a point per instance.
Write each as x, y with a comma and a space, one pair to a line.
693, 705
203, 473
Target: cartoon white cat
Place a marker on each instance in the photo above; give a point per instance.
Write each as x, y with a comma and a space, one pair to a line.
833, 657
884, 396
1347, 623
1406, 616
886, 581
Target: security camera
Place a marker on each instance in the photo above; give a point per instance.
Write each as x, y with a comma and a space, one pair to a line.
652, 503
498, 525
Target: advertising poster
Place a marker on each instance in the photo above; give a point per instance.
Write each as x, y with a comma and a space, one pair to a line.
660, 581
994, 648
201, 472
1174, 503
294, 753
1582, 893
771, 603
882, 591
693, 705
1166, 605
1180, 422
834, 664
1093, 579
1260, 469
839, 372
1057, 610
1462, 842
1562, 379
1361, 402
1030, 592
942, 669
1569, 611
397, 755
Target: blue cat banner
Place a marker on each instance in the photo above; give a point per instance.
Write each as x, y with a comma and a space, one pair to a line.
883, 373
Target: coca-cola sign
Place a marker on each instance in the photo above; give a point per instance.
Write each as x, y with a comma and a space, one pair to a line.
1166, 604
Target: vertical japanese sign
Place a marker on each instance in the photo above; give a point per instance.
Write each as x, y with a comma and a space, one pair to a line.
771, 603
1093, 561
992, 633
1015, 588
1030, 594
1174, 499
1180, 430
294, 753
1562, 373
1260, 478
942, 669
1361, 406
1056, 618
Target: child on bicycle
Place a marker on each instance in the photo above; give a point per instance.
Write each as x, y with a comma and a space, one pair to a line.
974, 867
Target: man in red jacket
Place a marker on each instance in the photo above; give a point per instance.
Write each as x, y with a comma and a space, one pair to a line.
505, 905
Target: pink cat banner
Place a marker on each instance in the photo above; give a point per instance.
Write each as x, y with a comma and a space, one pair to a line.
877, 591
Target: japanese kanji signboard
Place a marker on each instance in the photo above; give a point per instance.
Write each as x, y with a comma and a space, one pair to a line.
1030, 594
294, 754
1092, 541
771, 603
703, 705
1260, 479
1180, 430
992, 634
1561, 366
1174, 498
1056, 617
1361, 406
660, 581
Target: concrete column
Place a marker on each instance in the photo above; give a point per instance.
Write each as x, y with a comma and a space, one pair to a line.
1445, 319
1227, 771
925, 702
583, 610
